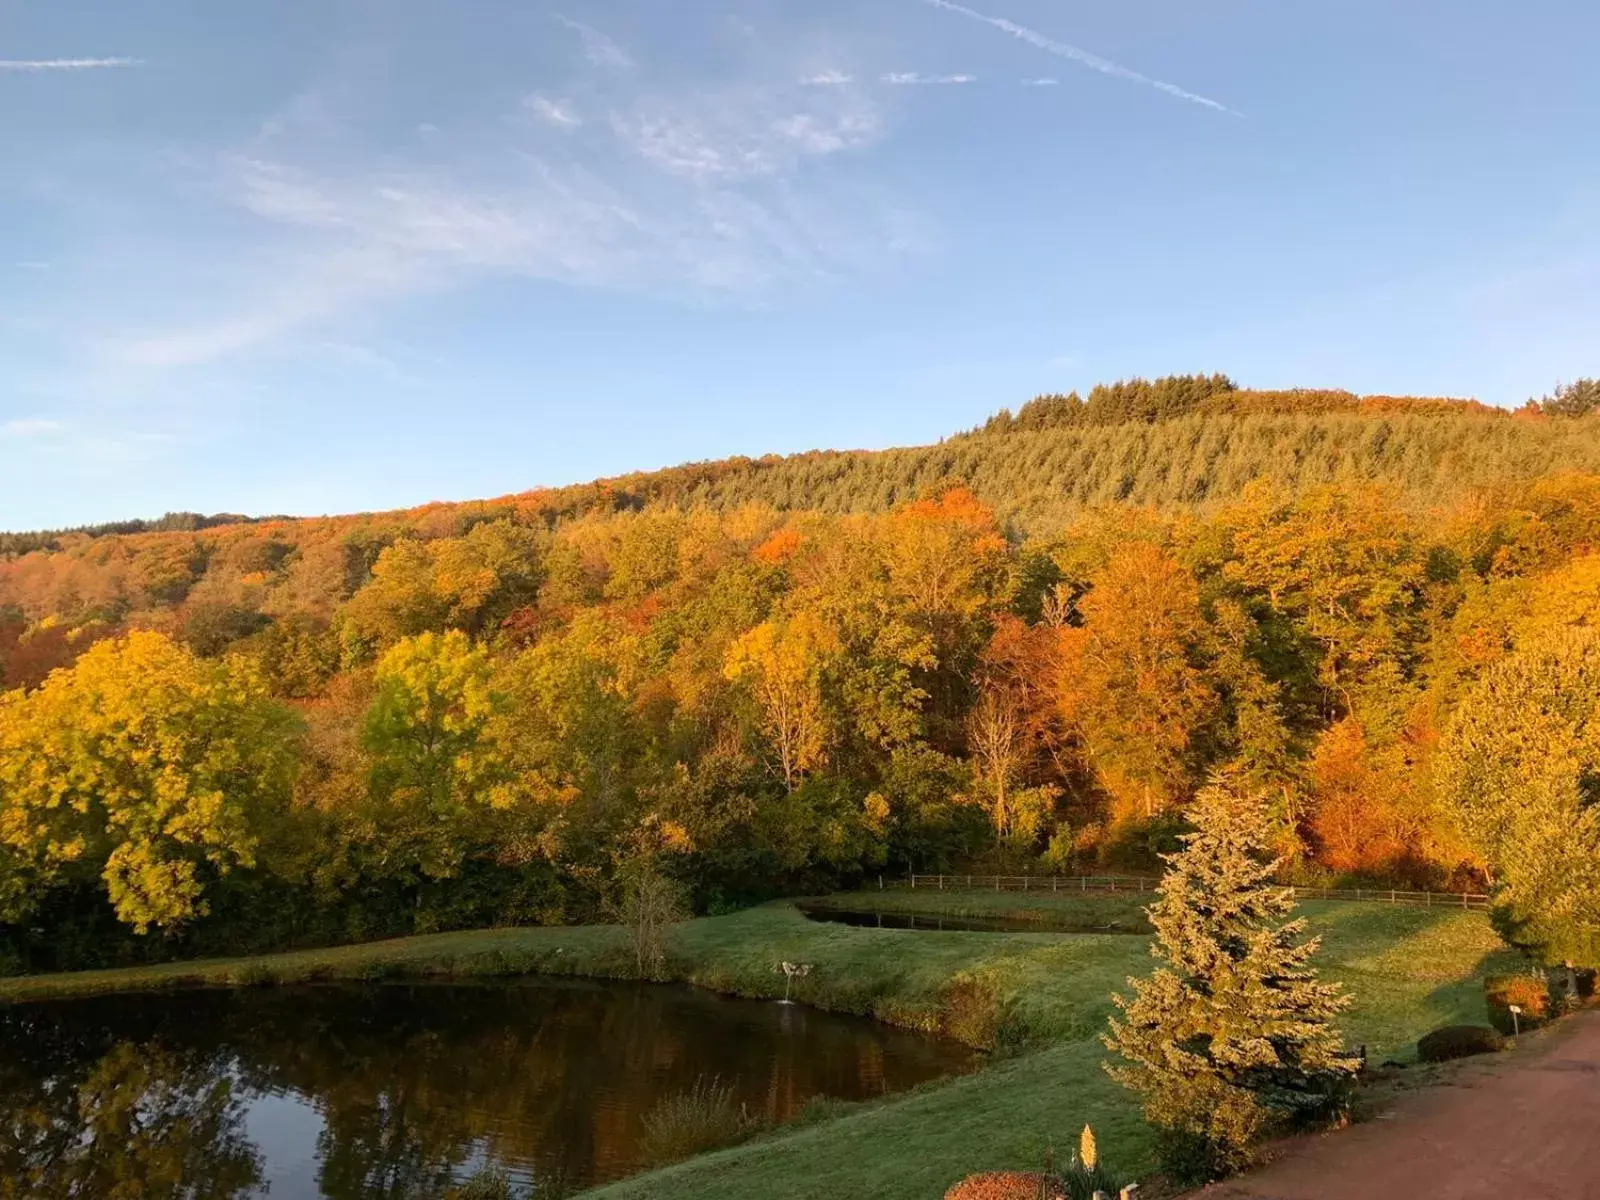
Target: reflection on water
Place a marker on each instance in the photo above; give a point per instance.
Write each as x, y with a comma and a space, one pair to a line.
864, 919
395, 1091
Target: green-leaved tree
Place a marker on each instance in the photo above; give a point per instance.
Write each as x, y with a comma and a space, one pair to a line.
1232, 1040
1518, 766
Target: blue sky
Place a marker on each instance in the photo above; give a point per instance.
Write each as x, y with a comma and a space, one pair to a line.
351, 254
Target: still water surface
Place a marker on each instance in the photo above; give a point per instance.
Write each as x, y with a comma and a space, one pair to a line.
396, 1090
939, 923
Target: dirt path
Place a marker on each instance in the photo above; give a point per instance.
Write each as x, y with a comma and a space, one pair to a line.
1525, 1127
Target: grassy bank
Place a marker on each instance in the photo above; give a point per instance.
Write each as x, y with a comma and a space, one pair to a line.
1043, 997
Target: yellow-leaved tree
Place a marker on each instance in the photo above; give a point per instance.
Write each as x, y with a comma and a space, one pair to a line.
145, 767
435, 765
782, 663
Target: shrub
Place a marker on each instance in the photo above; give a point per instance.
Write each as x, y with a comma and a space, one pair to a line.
1191, 1157
1570, 987
492, 1183
1458, 1041
1006, 1185
972, 1011
1086, 1174
1530, 993
1081, 1182
1084, 1177
702, 1118
253, 975
824, 1108
488, 1184
1059, 854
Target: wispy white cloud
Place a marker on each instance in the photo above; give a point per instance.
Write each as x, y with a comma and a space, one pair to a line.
744, 133
1072, 53
65, 64
553, 112
913, 77
709, 190
1045, 82
829, 78
30, 427
600, 50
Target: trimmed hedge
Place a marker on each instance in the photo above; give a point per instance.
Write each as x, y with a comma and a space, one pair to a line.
1530, 993
1458, 1041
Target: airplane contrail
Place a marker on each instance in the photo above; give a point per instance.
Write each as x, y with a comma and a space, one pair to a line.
1093, 61
64, 64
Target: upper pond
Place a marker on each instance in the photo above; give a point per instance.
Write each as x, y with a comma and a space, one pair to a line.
938, 922
395, 1090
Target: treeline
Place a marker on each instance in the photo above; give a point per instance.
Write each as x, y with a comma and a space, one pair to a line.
1173, 396
172, 522
1048, 480
1037, 481
294, 733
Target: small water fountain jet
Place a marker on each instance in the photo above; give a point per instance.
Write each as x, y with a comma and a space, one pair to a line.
790, 971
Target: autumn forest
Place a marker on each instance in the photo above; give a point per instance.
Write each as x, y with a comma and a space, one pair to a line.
1026, 648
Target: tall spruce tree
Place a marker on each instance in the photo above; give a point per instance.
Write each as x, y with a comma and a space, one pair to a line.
1232, 1041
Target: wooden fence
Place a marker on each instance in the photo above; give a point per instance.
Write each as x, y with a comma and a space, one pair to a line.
1106, 884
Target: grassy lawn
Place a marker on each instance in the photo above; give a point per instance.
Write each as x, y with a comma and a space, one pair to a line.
1040, 997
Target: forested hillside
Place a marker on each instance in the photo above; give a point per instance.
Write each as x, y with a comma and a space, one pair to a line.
1028, 645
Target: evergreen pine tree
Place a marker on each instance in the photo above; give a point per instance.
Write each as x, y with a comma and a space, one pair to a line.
1232, 1040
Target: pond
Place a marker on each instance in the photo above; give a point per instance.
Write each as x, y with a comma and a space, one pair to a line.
869, 919
395, 1091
